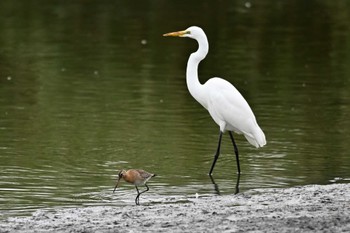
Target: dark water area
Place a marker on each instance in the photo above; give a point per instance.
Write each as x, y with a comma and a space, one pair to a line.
91, 87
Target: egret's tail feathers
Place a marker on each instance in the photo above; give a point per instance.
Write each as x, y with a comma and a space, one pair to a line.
257, 139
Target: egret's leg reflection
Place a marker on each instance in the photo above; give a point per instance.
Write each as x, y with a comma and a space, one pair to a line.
216, 186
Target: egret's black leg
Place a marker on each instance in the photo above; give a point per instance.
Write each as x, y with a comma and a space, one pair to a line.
138, 195
237, 183
216, 187
236, 151
216, 156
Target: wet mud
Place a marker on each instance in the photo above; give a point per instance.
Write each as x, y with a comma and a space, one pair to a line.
312, 208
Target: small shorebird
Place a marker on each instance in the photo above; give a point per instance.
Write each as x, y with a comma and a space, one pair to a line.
136, 177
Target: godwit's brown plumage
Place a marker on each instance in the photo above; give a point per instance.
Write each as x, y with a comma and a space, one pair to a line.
136, 177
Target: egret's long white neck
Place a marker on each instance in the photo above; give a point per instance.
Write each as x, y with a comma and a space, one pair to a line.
193, 84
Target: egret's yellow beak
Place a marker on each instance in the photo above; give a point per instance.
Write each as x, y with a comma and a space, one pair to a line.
179, 33
116, 184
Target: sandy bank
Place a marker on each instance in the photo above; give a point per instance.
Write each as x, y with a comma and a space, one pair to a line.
312, 208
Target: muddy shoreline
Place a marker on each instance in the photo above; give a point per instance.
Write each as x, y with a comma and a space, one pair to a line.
313, 208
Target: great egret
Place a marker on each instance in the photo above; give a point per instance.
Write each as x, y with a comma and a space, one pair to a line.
225, 104
136, 177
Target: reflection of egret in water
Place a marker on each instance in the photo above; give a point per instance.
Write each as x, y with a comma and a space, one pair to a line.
216, 186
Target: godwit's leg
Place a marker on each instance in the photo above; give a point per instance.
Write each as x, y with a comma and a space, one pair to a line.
137, 200
138, 195
236, 151
216, 156
145, 190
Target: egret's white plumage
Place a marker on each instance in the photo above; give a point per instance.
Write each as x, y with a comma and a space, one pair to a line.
225, 104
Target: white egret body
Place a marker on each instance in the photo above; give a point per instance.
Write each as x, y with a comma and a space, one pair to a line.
225, 104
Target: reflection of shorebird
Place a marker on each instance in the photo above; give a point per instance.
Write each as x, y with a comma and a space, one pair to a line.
225, 104
136, 177
216, 186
